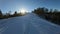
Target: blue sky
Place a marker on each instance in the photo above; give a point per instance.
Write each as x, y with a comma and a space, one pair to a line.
16, 5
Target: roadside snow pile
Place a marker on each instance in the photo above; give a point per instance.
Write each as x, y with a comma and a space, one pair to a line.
28, 24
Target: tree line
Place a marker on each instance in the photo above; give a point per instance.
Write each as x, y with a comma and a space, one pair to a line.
48, 14
9, 15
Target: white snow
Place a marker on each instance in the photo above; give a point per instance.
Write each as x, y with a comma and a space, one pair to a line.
28, 24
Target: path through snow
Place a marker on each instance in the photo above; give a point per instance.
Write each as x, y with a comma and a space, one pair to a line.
28, 24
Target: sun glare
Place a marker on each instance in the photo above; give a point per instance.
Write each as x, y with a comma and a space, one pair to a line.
23, 11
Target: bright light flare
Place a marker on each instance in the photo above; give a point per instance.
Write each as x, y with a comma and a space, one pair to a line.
23, 11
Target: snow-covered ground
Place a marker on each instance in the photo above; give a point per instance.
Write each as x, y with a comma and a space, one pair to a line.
28, 24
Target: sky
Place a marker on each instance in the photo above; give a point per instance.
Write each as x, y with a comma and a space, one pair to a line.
29, 5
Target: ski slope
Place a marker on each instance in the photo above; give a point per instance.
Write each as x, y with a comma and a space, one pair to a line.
28, 24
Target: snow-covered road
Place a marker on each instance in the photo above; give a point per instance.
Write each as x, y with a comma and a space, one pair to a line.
28, 24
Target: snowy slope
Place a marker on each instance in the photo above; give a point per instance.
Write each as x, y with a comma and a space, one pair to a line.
28, 24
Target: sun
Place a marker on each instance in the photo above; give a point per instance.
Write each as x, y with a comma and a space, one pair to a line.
23, 11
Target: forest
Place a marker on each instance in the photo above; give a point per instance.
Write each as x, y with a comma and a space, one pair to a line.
48, 14
9, 15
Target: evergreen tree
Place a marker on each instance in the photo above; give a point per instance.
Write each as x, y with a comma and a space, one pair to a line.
15, 13
0, 13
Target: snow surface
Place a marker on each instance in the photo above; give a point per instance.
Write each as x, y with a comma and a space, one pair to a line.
28, 24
